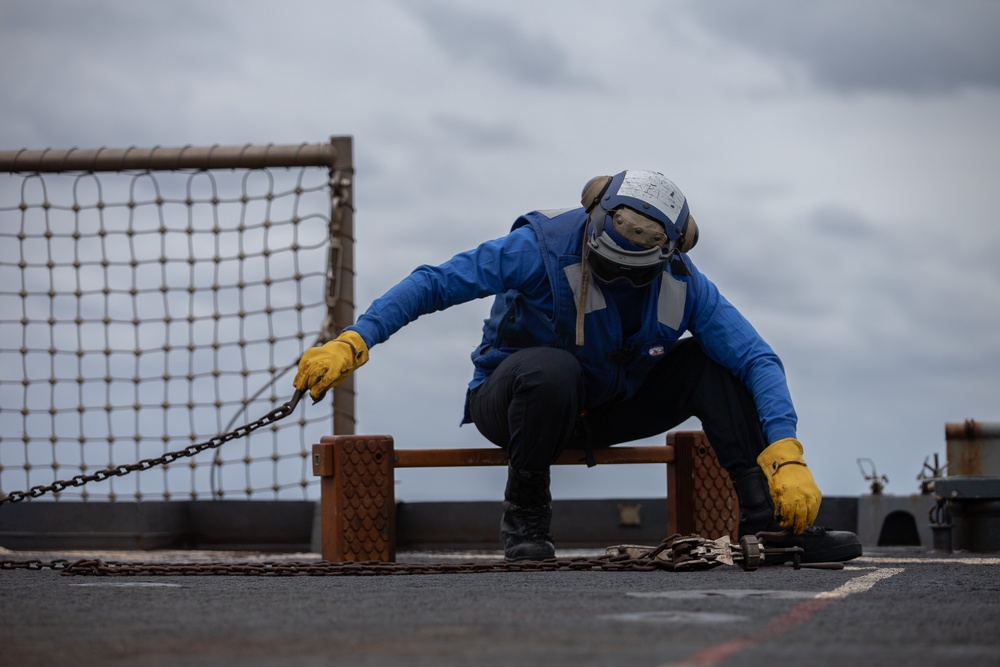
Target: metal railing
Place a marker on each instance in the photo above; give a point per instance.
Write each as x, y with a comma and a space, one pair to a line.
147, 294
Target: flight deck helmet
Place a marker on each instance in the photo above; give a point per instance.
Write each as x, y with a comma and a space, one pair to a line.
637, 220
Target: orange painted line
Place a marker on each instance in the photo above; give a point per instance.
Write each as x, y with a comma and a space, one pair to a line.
797, 615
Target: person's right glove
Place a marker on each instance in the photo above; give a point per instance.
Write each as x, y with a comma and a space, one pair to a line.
321, 368
793, 490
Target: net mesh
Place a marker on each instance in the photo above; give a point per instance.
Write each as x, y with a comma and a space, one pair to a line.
145, 311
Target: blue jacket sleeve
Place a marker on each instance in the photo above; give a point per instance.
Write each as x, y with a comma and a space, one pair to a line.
513, 261
731, 341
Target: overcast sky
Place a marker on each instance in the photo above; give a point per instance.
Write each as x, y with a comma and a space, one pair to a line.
842, 160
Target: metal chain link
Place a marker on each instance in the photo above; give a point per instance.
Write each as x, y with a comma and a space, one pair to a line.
97, 567
676, 553
271, 417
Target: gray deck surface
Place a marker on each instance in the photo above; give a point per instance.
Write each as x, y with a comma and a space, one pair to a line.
896, 606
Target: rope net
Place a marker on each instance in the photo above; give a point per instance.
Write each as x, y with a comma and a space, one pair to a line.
145, 311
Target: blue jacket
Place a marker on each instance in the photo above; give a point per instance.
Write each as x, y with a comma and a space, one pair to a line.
535, 271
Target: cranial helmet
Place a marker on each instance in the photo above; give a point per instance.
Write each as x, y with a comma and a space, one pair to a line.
637, 220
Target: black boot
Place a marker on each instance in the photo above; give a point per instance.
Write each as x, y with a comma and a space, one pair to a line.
757, 515
527, 515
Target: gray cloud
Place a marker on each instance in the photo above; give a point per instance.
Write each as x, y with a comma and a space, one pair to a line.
79, 67
480, 135
497, 44
160, 37
836, 221
900, 46
883, 304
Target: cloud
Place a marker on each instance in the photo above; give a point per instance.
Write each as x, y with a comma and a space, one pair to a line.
74, 71
844, 223
905, 46
856, 231
498, 44
478, 135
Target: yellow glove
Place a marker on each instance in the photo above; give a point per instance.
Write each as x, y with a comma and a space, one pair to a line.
327, 366
795, 494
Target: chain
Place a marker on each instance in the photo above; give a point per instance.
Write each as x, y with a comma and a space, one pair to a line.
616, 559
676, 553
271, 417
323, 568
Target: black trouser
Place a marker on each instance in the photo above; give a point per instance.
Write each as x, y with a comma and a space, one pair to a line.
532, 403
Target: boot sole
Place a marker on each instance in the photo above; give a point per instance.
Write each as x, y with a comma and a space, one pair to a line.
534, 554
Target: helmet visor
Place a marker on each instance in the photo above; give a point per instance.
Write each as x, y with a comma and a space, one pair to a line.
637, 273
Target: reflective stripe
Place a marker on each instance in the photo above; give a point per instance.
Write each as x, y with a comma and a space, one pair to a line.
595, 300
553, 212
670, 305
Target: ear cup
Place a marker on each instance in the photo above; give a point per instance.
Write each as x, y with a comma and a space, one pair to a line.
689, 235
593, 190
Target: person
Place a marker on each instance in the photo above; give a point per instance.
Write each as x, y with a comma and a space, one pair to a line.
583, 348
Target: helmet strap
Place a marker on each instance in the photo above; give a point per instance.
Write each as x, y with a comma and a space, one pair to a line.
581, 305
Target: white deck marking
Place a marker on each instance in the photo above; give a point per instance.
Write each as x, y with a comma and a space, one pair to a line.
781, 626
130, 584
860, 584
965, 560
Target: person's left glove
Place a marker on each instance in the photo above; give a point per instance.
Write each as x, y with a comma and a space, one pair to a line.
793, 489
321, 368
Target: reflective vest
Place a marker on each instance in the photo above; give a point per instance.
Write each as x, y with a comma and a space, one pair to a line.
614, 366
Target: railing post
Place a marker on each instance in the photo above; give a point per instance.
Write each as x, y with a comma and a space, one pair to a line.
340, 272
357, 498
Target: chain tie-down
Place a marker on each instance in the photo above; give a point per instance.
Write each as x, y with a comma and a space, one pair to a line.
676, 553
271, 417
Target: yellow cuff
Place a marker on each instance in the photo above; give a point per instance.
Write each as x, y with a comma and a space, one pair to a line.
782, 452
358, 348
